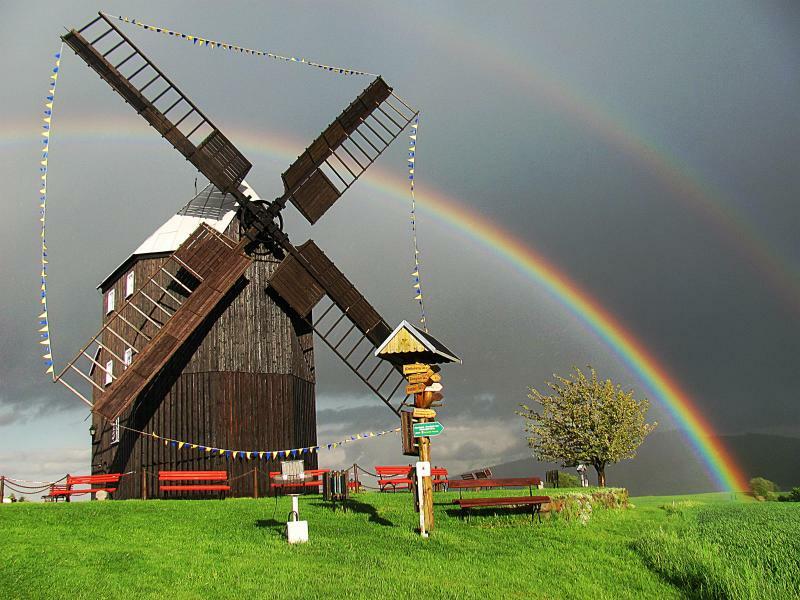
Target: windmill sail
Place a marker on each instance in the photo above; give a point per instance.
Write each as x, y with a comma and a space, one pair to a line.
153, 95
350, 326
345, 149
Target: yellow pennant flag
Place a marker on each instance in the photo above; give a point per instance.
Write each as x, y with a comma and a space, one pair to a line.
49, 369
180, 445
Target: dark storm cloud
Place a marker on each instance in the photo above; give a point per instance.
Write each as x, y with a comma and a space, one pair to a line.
539, 116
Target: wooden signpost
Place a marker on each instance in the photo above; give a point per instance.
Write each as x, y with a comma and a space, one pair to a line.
418, 352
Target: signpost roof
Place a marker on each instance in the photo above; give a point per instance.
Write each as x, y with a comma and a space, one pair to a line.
408, 344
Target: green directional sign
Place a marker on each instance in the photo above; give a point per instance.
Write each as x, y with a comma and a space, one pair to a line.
427, 429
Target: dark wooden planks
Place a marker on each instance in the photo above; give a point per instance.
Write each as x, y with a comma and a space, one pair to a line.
302, 291
221, 266
244, 381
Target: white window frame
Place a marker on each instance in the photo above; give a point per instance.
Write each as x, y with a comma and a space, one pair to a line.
109, 372
115, 431
128, 357
110, 300
129, 282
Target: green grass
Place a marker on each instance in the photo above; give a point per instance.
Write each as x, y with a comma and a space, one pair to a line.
736, 551
235, 549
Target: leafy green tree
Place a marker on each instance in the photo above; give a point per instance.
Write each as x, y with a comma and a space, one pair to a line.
762, 487
586, 420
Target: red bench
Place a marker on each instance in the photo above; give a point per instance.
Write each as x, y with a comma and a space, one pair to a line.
312, 478
394, 476
66, 490
197, 476
399, 476
439, 478
535, 502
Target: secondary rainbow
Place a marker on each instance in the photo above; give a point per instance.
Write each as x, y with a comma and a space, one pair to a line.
457, 214
694, 193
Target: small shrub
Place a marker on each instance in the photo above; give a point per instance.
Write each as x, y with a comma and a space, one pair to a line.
678, 507
568, 480
576, 507
794, 495
762, 487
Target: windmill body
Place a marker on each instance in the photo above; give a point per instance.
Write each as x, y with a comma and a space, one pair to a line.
207, 327
244, 379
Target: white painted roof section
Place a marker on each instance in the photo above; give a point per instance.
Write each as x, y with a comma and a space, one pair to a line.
209, 202
174, 232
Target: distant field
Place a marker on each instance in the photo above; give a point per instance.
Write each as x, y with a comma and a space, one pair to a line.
235, 549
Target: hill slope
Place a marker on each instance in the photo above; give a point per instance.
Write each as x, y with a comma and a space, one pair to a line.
666, 464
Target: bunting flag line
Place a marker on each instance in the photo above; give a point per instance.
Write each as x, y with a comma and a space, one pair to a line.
45, 340
214, 44
415, 274
260, 454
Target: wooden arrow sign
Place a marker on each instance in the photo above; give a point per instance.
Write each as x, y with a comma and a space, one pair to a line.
419, 377
434, 387
436, 377
415, 368
415, 388
424, 413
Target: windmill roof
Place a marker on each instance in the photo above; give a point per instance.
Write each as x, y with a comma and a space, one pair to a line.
209, 206
437, 352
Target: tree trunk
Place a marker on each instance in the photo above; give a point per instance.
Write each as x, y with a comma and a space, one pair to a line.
601, 475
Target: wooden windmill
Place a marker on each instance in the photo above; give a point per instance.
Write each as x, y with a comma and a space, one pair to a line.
211, 340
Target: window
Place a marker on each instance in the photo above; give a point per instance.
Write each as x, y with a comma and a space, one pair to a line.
128, 356
129, 279
109, 372
115, 431
110, 297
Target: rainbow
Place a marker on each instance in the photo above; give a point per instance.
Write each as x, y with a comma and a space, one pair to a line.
457, 214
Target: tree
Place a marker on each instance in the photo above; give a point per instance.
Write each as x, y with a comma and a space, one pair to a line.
586, 420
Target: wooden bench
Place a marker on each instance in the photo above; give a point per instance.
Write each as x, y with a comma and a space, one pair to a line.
439, 478
198, 476
312, 478
66, 490
394, 476
399, 476
535, 502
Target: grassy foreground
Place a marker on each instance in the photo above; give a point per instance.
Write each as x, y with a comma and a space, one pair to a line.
236, 549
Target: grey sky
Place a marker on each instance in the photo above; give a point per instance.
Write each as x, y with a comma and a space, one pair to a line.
588, 130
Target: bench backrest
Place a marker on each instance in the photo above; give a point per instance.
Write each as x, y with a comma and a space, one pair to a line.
392, 470
481, 474
308, 474
192, 475
439, 472
90, 479
490, 483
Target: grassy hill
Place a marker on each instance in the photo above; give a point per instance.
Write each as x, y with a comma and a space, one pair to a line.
662, 548
666, 464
